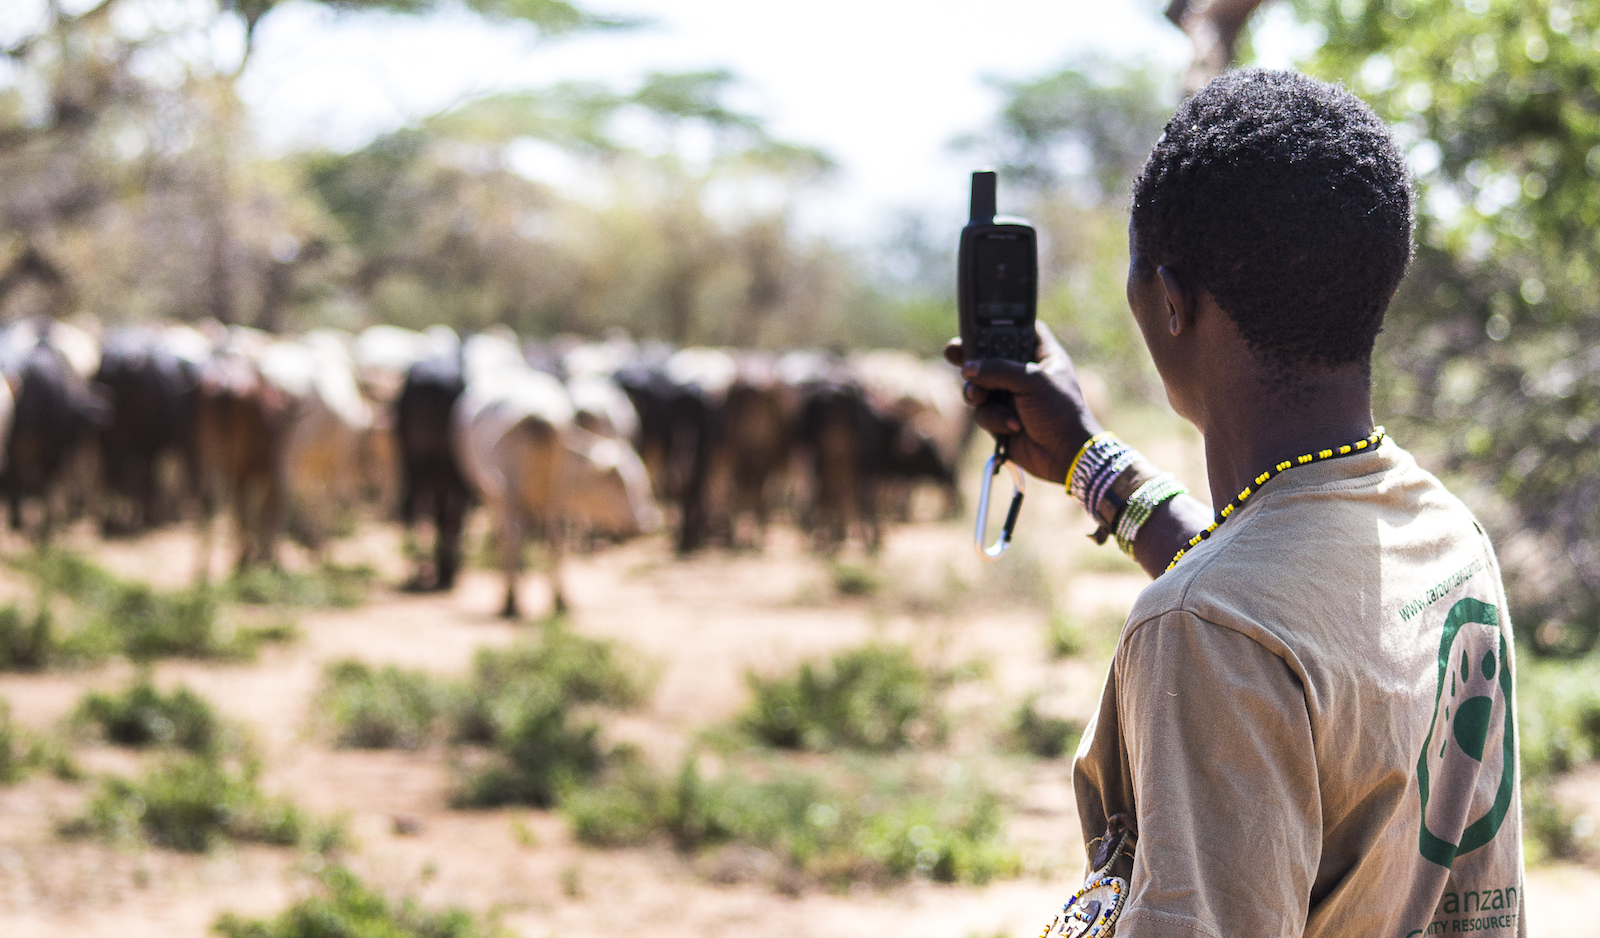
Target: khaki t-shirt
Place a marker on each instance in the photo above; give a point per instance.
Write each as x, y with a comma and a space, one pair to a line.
1310, 720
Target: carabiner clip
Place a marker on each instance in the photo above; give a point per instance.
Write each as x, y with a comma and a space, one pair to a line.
990, 470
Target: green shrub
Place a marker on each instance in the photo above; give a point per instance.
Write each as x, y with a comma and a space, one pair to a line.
19, 752
349, 909
853, 579
582, 669
1066, 635
329, 586
388, 708
1558, 714
875, 697
192, 803
1042, 734
834, 835
141, 715
394, 708
25, 645
538, 753
113, 616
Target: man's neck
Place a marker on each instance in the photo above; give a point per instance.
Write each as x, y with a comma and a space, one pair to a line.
1248, 433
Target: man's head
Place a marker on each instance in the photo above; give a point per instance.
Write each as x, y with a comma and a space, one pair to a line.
1287, 201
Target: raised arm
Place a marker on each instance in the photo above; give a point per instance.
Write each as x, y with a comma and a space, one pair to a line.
1049, 423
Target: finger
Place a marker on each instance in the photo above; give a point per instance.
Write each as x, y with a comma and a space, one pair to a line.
953, 353
1048, 343
998, 374
998, 418
973, 394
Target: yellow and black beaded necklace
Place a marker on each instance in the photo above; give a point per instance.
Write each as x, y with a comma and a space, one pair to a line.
1372, 440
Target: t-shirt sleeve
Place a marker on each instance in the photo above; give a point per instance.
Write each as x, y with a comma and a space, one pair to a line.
1225, 782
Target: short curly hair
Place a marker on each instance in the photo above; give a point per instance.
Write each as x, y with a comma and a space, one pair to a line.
1287, 199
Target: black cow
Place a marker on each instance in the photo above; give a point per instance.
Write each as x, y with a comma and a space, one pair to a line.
57, 415
152, 417
837, 431
431, 481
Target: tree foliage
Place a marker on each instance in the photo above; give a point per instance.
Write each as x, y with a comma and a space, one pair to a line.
1489, 361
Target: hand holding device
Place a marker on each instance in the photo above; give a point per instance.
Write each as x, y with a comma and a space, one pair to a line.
997, 298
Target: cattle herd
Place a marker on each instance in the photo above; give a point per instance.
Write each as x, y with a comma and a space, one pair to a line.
567, 440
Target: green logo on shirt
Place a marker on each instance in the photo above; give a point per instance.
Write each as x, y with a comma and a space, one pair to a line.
1457, 761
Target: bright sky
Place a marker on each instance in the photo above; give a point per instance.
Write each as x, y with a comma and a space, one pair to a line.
881, 85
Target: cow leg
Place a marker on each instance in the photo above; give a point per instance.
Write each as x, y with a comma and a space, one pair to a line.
272, 520
451, 512
208, 511
553, 540
867, 513
510, 557
244, 523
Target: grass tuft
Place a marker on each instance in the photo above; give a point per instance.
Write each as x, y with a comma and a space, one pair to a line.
834, 835
876, 698
140, 715
347, 908
20, 753
850, 579
387, 708
516, 702
538, 751
193, 803
1041, 734
329, 586
583, 670
114, 616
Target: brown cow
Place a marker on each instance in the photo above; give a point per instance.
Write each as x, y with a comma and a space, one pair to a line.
240, 422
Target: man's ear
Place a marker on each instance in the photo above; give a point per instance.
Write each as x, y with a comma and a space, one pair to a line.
1182, 300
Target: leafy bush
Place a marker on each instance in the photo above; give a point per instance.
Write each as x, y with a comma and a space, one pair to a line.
19, 753
851, 579
830, 834
1066, 635
875, 697
192, 803
329, 586
584, 670
116, 616
25, 645
538, 753
349, 909
386, 708
1558, 715
142, 716
1042, 734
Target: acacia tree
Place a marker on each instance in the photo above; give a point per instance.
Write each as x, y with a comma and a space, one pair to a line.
127, 186
1491, 358
443, 228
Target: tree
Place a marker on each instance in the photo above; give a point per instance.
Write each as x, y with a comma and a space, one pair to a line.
1489, 361
127, 186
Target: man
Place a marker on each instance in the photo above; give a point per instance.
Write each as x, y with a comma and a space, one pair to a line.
1308, 727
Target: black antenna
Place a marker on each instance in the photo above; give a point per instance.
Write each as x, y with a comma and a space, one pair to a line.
983, 186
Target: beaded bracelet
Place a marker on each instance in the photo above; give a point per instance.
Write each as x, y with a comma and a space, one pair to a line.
1104, 476
1142, 504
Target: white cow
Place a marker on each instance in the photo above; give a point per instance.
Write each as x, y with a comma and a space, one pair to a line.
324, 443
535, 470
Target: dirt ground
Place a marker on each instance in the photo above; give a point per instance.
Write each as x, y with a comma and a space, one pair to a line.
703, 622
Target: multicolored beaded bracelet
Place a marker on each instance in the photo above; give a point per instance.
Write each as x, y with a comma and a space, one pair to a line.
1372, 440
1103, 477
1142, 504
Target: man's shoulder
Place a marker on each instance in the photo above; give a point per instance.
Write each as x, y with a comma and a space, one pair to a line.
1318, 547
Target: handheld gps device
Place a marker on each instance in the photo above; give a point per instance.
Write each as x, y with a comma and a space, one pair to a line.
997, 280
997, 299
